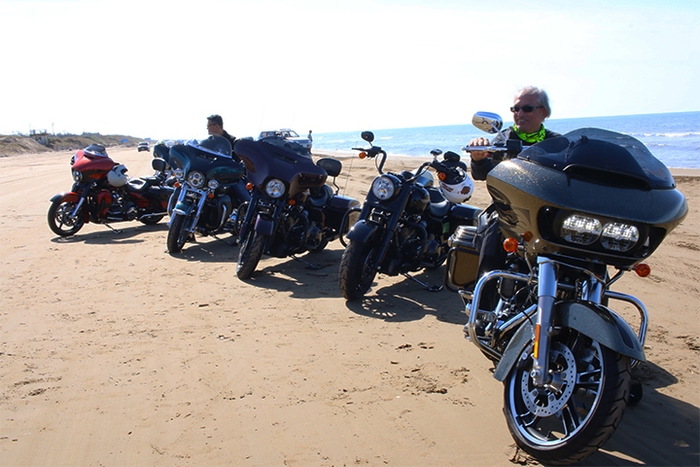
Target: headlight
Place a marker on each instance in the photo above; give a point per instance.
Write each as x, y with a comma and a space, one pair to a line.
213, 185
581, 229
179, 174
275, 188
383, 188
619, 237
77, 176
196, 179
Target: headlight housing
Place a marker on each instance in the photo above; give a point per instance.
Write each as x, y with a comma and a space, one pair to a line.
383, 188
196, 179
77, 176
275, 188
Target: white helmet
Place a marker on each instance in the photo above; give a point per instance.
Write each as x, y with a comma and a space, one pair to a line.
460, 191
117, 176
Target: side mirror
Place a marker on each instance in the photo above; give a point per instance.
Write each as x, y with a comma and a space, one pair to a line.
367, 136
488, 122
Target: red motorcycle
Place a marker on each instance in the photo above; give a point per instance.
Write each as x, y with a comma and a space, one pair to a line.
102, 193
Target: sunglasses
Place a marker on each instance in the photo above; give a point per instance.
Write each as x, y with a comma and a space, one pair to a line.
526, 108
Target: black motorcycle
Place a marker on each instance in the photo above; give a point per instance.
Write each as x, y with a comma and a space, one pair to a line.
406, 221
570, 215
210, 187
292, 210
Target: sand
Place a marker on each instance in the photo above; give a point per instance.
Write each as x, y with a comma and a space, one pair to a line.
115, 353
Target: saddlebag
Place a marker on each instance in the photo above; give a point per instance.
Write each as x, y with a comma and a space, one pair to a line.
462, 258
336, 209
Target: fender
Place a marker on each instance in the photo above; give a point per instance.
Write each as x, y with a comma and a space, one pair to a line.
183, 208
264, 225
595, 321
67, 196
362, 231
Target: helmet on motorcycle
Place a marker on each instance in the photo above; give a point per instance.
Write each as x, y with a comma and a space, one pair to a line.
456, 190
117, 176
95, 150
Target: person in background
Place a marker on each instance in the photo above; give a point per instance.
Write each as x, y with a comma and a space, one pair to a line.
215, 126
530, 109
311, 140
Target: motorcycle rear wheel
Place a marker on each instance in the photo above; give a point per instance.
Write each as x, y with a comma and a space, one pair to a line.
357, 269
250, 251
177, 234
569, 420
60, 221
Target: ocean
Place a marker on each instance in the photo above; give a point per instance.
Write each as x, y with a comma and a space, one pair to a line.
674, 138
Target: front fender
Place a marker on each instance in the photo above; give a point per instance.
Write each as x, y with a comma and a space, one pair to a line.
362, 231
264, 225
67, 196
595, 321
183, 208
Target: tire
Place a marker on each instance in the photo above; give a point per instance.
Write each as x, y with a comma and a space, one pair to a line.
177, 234
60, 221
153, 220
564, 426
249, 253
357, 269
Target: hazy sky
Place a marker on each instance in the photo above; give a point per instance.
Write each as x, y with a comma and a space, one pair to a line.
158, 68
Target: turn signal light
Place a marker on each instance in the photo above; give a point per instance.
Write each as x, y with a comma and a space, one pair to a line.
362, 155
210, 195
442, 176
527, 236
642, 269
249, 186
291, 202
510, 245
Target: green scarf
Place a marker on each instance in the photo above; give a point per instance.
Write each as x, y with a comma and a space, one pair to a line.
531, 138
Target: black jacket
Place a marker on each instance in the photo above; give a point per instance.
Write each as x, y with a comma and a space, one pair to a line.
479, 169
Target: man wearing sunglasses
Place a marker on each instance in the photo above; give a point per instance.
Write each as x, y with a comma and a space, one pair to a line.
530, 109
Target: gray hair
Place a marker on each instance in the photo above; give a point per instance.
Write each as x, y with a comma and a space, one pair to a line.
542, 97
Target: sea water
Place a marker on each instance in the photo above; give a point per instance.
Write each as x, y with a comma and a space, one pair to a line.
674, 138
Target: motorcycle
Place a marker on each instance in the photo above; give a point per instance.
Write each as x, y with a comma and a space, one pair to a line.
406, 221
292, 210
209, 189
575, 213
102, 193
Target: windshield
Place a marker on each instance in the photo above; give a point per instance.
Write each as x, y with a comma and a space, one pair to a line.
594, 149
214, 144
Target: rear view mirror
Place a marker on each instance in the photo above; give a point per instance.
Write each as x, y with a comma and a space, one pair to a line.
367, 136
488, 122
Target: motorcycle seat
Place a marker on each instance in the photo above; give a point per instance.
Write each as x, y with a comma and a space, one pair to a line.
143, 183
439, 206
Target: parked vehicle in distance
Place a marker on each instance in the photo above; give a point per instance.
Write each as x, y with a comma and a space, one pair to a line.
143, 146
285, 134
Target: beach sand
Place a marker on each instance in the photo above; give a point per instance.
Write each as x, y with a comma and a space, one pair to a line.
115, 353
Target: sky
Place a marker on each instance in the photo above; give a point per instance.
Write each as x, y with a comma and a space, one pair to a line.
157, 69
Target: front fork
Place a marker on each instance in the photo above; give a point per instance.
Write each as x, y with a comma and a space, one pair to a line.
546, 293
200, 205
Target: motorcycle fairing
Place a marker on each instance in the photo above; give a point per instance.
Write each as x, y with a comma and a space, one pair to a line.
594, 321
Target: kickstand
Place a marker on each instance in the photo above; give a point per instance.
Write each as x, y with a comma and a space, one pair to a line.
116, 231
309, 265
426, 286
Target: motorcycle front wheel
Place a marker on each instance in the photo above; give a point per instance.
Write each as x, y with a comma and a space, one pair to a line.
570, 418
250, 251
357, 269
61, 222
177, 234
